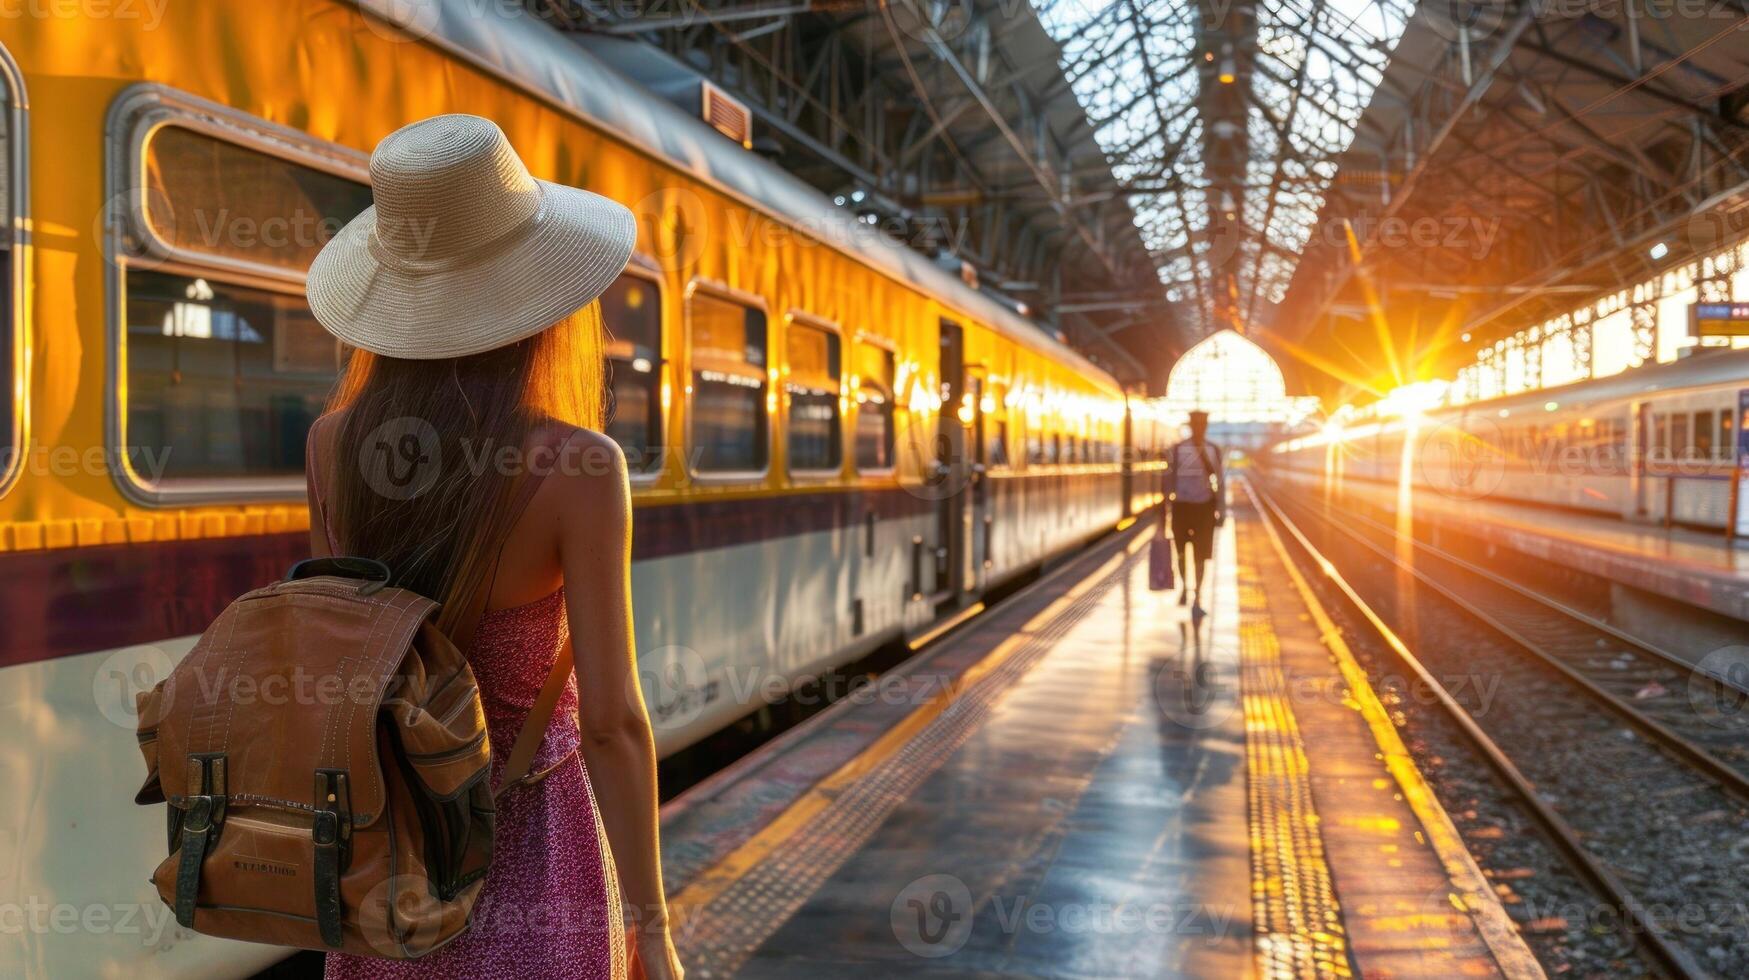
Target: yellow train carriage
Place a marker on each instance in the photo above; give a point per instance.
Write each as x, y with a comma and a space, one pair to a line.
834, 442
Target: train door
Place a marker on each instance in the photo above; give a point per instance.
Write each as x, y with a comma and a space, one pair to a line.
1639, 444
952, 467
978, 517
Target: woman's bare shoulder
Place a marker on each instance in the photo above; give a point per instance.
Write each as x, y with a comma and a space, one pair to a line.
592, 467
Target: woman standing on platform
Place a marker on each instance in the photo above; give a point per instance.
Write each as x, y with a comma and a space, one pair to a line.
468, 295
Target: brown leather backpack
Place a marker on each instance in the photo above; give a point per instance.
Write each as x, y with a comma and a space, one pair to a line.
324, 755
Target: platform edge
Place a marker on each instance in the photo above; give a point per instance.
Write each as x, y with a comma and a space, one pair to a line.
1511, 953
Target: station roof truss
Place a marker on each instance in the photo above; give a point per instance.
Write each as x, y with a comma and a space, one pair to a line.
1518, 161
958, 127
1226, 119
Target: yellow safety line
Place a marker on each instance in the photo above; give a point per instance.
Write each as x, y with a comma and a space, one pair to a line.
1297, 919
708, 886
1476, 897
941, 628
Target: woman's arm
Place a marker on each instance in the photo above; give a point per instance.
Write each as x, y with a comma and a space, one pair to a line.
595, 532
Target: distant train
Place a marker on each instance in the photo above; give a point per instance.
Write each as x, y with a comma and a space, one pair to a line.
835, 442
1657, 443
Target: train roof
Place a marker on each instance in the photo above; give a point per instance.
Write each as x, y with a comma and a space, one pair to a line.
529, 53
1696, 371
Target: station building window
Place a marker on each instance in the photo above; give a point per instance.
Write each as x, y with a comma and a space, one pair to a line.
874, 408
816, 439
730, 431
223, 360
632, 311
1704, 430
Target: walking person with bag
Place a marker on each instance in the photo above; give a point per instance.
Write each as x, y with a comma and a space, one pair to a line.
1195, 485
468, 295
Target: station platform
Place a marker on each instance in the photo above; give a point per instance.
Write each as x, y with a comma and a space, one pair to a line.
1702, 569
1083, 783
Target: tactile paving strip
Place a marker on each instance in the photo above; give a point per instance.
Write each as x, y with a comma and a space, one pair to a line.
717, 938
1295, 916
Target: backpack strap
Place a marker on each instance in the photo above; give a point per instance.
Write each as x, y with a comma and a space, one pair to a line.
534, 728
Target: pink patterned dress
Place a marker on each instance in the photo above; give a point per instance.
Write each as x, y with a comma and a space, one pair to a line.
550, 906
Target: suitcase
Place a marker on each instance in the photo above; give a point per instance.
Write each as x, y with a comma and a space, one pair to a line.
1160, 564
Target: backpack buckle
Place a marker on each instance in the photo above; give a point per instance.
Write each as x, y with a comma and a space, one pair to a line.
204, 811
331, 836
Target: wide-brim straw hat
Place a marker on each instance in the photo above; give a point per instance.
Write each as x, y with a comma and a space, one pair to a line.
463, 250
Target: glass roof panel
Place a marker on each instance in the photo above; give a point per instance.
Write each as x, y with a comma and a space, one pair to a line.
1315, 66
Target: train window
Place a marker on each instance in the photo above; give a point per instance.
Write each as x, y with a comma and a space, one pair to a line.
211, 199
1660, 437
1704, 430
1727, 437
999, 444
729, 421
1054, 449
216, 351
12, 201
230, 376
632, 310
816, 440
1679, 436
874, 408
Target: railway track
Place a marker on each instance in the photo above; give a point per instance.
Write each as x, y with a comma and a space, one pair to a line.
1635, 797
1699, 714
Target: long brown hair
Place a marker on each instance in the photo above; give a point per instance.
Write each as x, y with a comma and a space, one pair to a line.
417, 481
